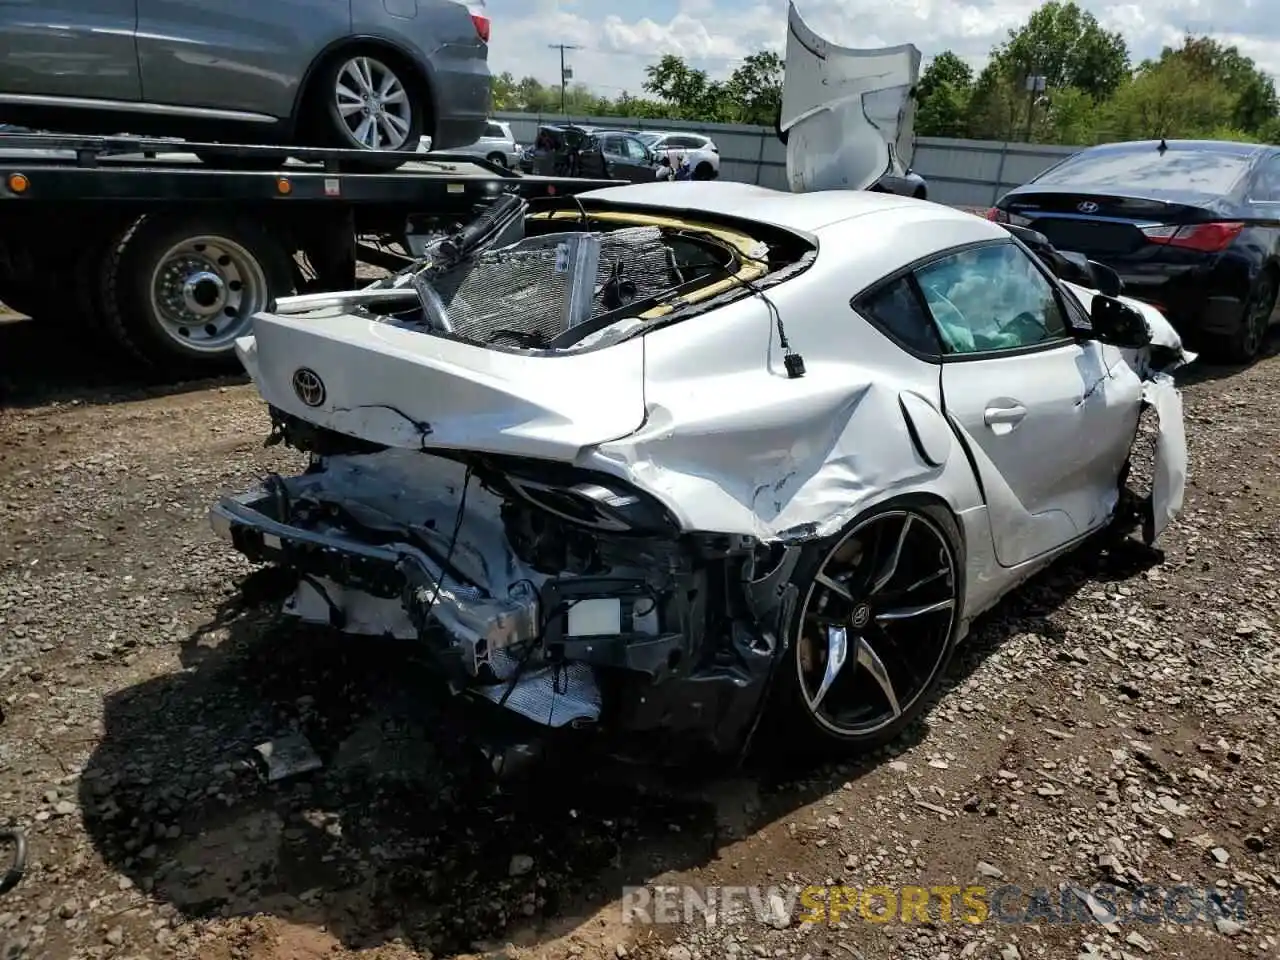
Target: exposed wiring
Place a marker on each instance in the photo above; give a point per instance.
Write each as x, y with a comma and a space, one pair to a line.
453, 539
534, 644
793, 361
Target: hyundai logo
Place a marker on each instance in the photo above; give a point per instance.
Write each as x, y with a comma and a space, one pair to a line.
1087, 206
308, 386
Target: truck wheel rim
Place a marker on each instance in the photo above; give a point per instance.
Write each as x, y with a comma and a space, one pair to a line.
373, 105
205, 291
876, 623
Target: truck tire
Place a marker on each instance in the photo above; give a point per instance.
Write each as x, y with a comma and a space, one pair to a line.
67, 290
178, 290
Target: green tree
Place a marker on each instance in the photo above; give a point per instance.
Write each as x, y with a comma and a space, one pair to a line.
1169, 99
942, 97
1256, 103
1065, 45
754, 90
503, 88
1060, 42
689, 92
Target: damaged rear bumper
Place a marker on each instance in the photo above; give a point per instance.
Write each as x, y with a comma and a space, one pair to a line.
630, 649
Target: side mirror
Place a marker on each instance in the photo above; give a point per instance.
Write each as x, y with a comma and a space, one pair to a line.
1106, 280
1116, 324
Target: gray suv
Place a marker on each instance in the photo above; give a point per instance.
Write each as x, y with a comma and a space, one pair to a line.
367, 74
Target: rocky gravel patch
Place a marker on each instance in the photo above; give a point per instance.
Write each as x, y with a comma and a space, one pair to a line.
1110, 726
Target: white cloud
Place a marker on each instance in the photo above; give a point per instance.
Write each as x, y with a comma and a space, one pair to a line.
618, 39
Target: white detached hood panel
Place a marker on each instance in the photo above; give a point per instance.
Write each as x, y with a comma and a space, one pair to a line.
399, 388
842, 108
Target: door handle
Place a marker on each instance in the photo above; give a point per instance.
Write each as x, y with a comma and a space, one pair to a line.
1009, 416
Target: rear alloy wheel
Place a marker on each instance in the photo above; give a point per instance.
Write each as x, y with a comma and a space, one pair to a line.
497, 159
704, 171
371, 106
874, 628
1255, 321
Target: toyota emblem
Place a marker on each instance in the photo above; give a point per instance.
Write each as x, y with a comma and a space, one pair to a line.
1087, 206
308, 386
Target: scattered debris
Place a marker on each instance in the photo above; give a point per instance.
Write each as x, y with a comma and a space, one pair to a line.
289, 756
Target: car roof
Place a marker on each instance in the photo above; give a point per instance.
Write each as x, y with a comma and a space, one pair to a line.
804, 212
1207, 146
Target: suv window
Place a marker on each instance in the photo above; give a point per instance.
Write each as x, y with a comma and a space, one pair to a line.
896, 309
633, 149
685, 142
493, 130
991, 298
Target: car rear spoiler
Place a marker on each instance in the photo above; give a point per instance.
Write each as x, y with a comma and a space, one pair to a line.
842, 108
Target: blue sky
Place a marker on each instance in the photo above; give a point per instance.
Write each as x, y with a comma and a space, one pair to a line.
619, 37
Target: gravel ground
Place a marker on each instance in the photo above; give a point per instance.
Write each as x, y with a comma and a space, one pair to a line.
1113, 721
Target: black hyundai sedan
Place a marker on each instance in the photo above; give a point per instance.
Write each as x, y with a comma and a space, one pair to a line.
1191, 226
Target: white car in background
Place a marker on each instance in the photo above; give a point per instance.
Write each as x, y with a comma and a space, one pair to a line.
498, 145
701, 152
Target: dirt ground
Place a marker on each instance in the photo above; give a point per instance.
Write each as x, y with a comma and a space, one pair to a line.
1113, 722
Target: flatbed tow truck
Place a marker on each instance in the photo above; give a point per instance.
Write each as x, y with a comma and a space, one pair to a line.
170, 256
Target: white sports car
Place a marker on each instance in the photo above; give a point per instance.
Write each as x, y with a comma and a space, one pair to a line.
691, 462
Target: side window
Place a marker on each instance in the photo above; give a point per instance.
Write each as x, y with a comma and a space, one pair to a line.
896, 309
610, 146
991, 298
634, 149
493, 130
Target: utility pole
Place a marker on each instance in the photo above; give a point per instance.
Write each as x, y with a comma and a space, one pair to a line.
1036, 85
565, 72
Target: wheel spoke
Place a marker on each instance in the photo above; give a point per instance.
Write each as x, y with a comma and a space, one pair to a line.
870, 661
890, 567
389, 83
837, 653
906, 613
834, 586
365, 69
395, 127
396, 96
365, 132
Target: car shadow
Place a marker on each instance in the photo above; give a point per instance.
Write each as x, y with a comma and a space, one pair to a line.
398, 836
46, 363
1202, 371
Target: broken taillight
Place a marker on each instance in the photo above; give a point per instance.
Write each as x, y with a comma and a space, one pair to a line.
1213, 237
482, 25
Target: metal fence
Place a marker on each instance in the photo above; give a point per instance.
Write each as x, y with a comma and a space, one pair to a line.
971, 173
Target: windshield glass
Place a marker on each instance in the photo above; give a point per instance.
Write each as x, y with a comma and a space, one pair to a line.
649, 139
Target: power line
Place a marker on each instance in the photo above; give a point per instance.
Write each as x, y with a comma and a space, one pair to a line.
564, 79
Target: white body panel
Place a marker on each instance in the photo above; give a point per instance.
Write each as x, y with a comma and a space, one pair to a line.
388, 385
842, 107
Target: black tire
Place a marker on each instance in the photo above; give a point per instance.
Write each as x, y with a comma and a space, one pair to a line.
1255, 322
792, 728
921, 193
69, 294
704, 171
260, 271
326, 122
43, 299
498, 159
